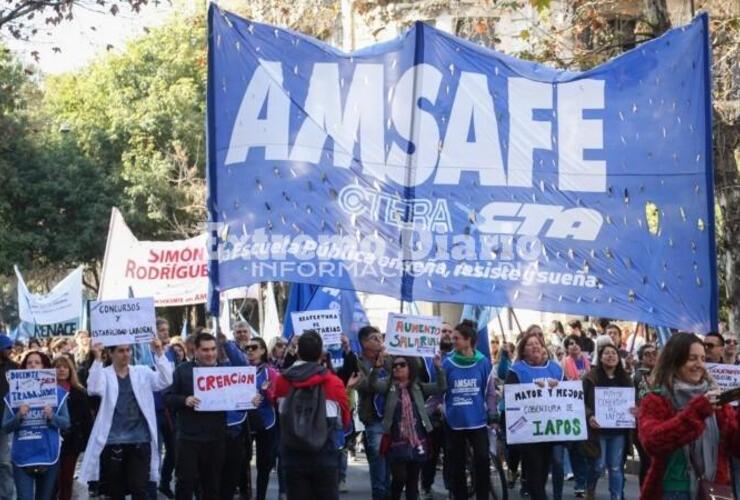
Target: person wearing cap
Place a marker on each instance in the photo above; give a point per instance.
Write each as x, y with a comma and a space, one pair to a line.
7, 489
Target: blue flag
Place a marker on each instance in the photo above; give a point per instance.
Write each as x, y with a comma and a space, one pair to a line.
430, 168
664, 334
299, 297
482, 316
307, 298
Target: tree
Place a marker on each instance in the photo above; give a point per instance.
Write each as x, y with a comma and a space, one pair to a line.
141, 122
17, 15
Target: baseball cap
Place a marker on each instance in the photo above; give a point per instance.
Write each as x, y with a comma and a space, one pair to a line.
5, 343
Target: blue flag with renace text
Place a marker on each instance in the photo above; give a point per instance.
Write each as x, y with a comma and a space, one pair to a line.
430, 168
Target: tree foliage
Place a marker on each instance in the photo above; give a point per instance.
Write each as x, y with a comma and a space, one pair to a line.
141, 122
18, 16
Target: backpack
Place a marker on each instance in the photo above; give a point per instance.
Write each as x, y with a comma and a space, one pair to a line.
303, 424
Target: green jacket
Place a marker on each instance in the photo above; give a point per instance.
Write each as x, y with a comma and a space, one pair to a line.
365, 410
419, 392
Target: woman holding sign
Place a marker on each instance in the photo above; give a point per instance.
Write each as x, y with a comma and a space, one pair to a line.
534, 366
36, 433
406, 421
262, 420
684, 426
612, 442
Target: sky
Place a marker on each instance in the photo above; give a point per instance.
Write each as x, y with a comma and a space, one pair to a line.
87, 35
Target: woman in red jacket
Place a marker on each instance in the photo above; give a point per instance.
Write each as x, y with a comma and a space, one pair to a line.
680, 424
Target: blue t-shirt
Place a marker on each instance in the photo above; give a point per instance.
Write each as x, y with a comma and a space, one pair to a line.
528, 374
128, 425
465, 399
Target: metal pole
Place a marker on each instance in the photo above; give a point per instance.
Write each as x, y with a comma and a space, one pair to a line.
516, 320
501, 325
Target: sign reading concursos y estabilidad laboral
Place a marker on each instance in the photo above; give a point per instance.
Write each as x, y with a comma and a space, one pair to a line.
117, 322
537, 414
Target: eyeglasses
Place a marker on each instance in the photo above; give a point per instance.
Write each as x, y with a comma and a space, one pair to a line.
280, 345
253, 347
650, 353
403, 364
241, 331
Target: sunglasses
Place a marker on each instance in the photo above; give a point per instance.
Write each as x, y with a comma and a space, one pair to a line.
253, 347
280, 345
709, 345
400, 365
242, 331
650, 353
731, 342
445, 330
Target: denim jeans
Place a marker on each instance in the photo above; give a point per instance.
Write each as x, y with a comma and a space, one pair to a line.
579, 463
567, 468
611, 459
557, 470
379, 472
7, 488
38, 487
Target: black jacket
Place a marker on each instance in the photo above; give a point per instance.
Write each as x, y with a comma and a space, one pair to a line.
191, 425
5, 365
81, 419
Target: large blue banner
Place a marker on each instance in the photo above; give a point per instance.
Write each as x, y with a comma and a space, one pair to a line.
430, 168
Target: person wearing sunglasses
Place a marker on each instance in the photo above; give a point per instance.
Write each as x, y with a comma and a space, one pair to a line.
406, 423
262, 420
729, 357
714, 347
357, 367
277, 352
647, 356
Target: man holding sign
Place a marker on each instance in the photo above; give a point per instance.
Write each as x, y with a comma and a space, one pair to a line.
201, 435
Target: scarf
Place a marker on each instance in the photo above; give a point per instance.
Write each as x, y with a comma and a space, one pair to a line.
64, 384
703, 451
461, 360
407, 428
571, 369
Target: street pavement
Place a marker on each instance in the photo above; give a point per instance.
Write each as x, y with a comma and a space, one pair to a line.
358, 483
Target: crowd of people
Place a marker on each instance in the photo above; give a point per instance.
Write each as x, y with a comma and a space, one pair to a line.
137, 428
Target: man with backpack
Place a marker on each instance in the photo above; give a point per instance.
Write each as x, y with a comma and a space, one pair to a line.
313, 412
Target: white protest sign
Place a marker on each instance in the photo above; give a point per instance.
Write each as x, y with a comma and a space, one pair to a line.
408, 335
224, 388
326, 322
612, 407
117, 322
35, 388
61, 306
175, 273
726, 376
537, 415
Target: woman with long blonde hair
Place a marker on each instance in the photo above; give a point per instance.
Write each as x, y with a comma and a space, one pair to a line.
80, 413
